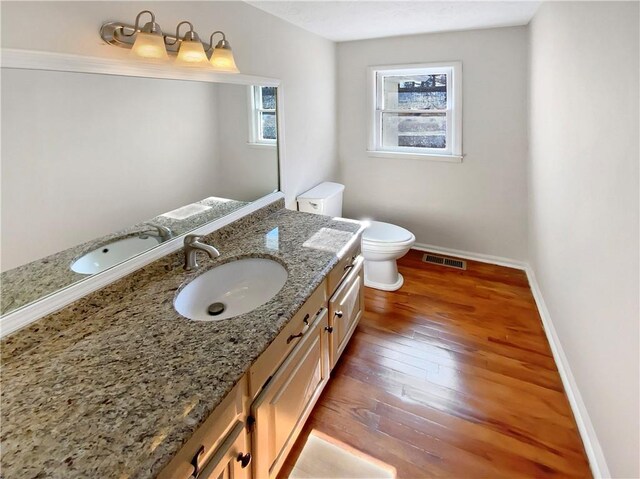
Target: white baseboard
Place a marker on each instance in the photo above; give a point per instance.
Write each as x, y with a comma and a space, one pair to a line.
594, 452
483, 258
592, 446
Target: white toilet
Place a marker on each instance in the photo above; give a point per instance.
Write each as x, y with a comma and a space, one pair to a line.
382, 243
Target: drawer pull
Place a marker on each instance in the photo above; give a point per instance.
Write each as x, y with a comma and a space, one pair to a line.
301, 333
244, 459
328, 329
195, 462
348, 267
338, 314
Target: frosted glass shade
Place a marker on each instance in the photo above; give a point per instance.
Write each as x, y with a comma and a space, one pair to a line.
149, 45
191, 53
222, 60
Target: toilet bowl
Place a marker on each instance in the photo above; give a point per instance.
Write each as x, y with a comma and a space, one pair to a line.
382, 245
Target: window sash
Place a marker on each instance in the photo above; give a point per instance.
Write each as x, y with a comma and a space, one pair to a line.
261, 123
452, 112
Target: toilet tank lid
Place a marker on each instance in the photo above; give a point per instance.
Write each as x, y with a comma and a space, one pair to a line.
379, 232
322, 191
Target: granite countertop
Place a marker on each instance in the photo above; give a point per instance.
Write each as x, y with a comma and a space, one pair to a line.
39, 278
114, 384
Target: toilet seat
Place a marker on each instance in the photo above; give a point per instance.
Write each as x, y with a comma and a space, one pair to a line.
382, 235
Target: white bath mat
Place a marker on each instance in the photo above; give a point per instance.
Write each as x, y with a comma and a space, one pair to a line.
326, 458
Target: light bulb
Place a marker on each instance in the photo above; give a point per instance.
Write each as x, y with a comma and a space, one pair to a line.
222, 58
191, 53
149, 45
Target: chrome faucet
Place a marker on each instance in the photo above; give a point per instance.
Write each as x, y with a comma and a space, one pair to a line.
163, 232
192, 245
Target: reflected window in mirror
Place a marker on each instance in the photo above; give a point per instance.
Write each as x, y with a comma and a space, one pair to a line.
262, 127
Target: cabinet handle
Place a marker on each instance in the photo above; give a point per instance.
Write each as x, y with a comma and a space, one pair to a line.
338, 314
301, 333
195, 462
348, 267
244, 459
329, 329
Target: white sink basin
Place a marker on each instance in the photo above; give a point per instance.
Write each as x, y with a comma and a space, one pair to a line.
240, 286
113, 253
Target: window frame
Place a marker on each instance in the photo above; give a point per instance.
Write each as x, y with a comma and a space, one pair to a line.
255, 111
453, 151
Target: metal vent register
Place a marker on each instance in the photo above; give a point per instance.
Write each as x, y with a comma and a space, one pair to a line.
442, 261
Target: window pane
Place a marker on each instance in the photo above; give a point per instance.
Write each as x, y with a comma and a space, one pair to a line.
269, 97
416, 130
268, 125
415, 92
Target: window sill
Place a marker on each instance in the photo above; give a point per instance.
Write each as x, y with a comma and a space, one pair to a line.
415, 156
261, 146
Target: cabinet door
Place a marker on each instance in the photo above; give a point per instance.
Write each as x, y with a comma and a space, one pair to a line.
285, 403
346, 307
232, 459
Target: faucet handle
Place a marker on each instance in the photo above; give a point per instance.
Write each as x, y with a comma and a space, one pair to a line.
190, 239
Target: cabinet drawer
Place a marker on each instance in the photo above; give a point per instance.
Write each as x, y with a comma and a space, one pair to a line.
210, 436
342, 269
271, 359
232, 459
345, 309
285, 403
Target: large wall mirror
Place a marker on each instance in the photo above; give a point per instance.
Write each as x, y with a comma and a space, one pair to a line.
99, 168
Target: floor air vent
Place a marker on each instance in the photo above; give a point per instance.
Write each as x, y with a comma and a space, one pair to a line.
442, 261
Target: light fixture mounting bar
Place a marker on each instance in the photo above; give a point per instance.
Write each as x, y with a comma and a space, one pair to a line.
122, 35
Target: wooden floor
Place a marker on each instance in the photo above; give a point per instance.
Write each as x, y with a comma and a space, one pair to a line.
452, 376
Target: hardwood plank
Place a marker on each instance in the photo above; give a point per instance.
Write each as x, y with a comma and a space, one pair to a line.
452, 376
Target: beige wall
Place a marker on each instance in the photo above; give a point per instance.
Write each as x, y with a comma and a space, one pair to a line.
263, 45
478, 205
583, 206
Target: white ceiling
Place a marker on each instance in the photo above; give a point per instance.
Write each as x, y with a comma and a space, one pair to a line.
360, 19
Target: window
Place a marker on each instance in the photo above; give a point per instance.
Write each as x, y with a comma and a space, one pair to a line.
416, 111
263, 130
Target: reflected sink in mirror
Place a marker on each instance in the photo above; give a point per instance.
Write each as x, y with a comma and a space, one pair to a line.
110, 254
231, 289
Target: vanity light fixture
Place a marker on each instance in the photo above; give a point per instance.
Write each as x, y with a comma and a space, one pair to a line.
150, 43
191, 52
222, 57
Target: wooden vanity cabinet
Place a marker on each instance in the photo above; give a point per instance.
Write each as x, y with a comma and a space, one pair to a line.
288, 398
346, 306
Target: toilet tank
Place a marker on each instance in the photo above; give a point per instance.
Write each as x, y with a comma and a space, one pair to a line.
324, 199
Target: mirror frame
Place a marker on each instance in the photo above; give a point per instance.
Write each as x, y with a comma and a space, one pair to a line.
50, 61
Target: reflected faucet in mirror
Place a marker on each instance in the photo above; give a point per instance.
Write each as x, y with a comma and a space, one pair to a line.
163, 232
